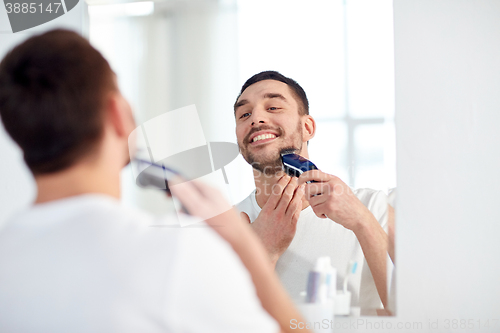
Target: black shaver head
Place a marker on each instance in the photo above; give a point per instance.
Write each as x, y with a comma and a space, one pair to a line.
294, 165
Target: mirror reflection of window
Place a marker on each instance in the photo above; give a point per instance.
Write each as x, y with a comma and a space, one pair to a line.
341, 52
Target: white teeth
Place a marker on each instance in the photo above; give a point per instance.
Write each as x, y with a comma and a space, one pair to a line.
263, 136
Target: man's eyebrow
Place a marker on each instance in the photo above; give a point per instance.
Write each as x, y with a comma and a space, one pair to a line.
275, 95
268, 95
240, 103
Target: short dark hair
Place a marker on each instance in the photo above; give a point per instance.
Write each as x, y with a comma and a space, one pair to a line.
297, 91
52, 93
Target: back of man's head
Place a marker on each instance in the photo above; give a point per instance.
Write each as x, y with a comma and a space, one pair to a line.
53, 89
296, 89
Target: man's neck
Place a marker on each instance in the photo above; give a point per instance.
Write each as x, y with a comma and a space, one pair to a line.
264, 184
82, 178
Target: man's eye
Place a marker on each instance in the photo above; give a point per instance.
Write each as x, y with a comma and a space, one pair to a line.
272, 108
246, 114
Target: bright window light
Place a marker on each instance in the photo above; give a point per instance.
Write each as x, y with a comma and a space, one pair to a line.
123, 9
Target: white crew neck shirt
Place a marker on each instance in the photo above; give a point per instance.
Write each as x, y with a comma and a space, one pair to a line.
88, 264
316, 237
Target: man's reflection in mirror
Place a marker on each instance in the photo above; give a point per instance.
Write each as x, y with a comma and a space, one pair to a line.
316, 214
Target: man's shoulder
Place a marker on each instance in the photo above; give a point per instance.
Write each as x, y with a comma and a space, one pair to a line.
368, 194
89, 214
247, 202
104, 221
249, 206
376, 201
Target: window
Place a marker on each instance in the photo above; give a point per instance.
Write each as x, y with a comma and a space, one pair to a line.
341, 53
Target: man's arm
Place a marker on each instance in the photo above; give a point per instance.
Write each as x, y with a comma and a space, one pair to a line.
202, 200
374, 243
331, 197
391, 231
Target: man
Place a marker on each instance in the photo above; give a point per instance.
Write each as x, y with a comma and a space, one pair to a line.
307, 219
77, 261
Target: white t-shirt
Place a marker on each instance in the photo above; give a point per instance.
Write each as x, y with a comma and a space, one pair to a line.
316, 237
87, 264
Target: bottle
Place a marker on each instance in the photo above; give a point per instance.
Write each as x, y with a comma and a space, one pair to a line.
331, 278
314, 282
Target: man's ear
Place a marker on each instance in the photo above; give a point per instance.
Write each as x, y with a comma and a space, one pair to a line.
309, 128
119, 114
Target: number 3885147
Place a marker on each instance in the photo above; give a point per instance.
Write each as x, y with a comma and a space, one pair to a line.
32, 8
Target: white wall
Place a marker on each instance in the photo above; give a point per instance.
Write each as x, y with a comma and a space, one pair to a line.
17, 188
447, 66
447, 87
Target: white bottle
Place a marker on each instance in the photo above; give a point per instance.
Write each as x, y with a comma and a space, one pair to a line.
314, 283
331, 278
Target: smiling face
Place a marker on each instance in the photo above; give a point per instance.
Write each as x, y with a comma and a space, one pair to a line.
268, 121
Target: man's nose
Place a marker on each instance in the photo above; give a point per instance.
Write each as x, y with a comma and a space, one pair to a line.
259, 117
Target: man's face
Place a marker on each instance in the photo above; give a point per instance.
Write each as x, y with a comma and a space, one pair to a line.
268, 121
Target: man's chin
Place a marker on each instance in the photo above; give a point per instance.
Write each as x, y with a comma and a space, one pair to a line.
265, 158
268, 167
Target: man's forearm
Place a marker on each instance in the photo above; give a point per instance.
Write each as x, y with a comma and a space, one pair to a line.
374, 243
391, 232
272, 255
271, 293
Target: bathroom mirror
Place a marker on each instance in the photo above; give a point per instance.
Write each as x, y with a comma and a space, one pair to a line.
170, 54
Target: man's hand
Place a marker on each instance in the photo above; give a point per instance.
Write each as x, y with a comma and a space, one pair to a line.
331, 197
277, 222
